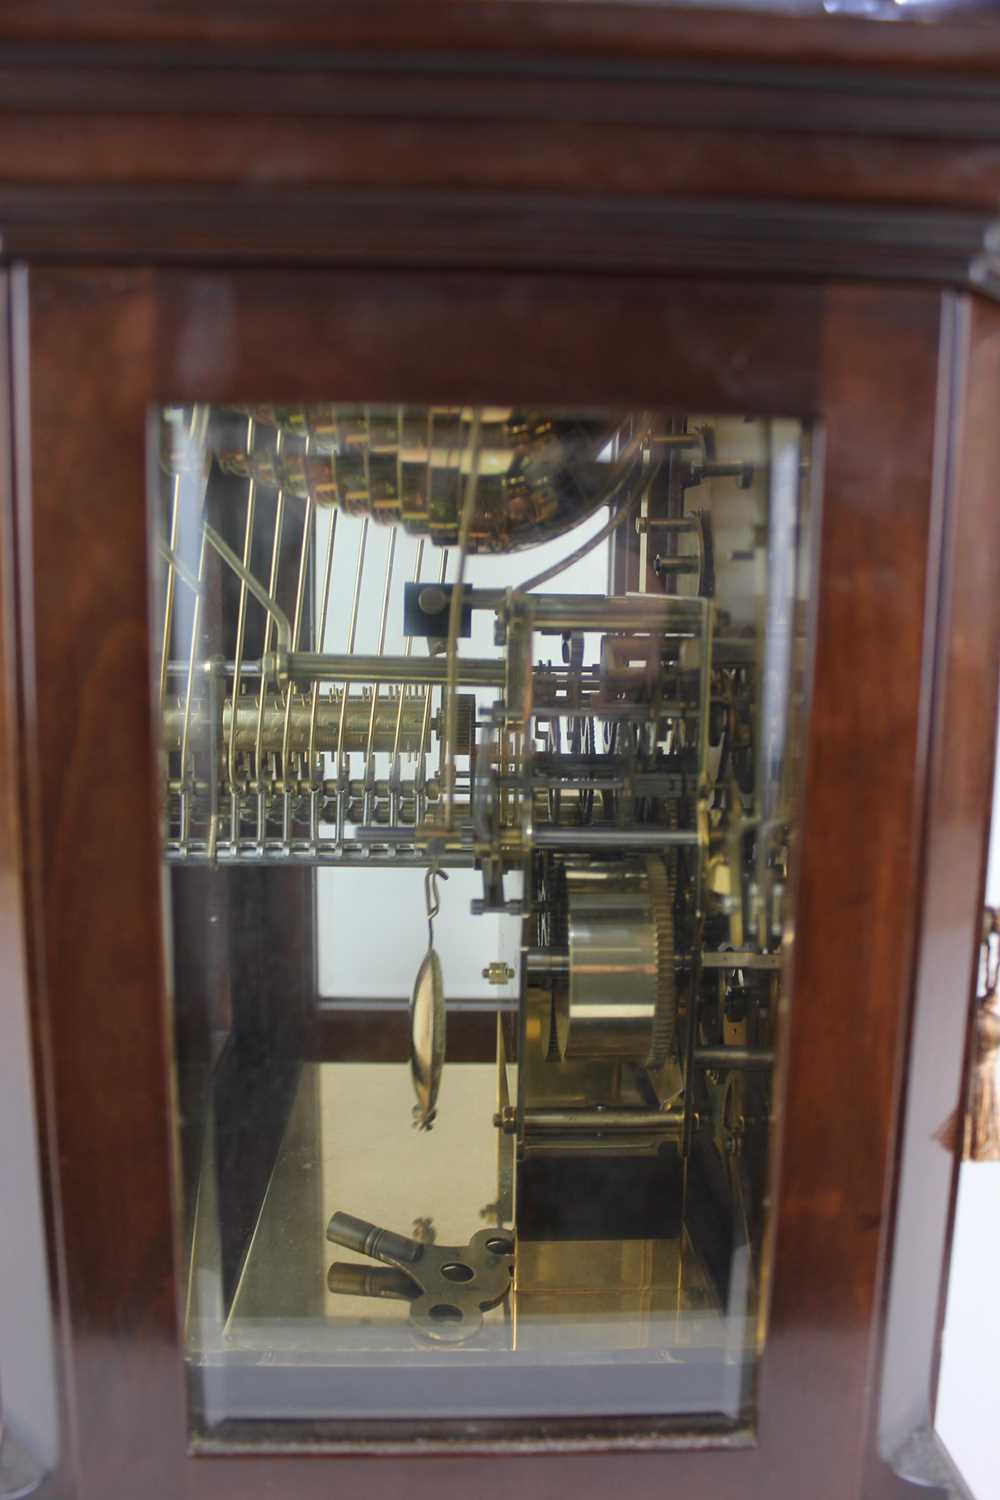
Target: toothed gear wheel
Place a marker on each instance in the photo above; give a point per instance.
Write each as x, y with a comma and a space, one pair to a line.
661, 884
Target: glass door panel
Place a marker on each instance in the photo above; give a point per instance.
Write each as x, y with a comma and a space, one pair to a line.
479, 741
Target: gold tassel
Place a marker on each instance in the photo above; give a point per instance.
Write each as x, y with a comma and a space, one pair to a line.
979, 1123
982, 1122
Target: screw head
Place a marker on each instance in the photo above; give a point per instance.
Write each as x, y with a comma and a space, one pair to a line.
432, 600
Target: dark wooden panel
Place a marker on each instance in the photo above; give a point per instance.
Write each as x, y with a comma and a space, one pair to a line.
98, 967
464, 336
866, 361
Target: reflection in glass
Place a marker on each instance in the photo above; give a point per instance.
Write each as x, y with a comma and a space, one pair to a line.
489, 842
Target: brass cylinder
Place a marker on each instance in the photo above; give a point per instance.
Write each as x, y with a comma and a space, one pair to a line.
356, 724
608, 1007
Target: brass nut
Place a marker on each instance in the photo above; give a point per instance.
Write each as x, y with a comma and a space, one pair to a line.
498, 973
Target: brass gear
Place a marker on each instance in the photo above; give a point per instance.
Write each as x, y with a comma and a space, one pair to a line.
661, 885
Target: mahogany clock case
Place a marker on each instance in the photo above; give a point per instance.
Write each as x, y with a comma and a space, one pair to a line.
192, 207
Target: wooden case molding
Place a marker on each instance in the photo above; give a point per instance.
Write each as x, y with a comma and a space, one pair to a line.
486, 231
962, 39
531, 132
